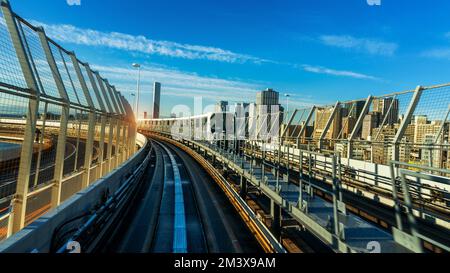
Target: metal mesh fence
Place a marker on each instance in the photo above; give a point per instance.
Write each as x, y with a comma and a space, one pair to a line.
382, 130
11, 73
89, 86
13, 112
45, 120
39, 62
64, 73
75, 82
4, 225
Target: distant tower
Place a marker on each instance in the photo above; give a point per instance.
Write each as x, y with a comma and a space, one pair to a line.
156, 99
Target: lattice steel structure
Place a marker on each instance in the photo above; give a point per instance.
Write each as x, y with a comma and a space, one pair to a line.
62, 126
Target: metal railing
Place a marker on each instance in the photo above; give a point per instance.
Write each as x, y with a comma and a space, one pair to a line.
62, 126
356, 142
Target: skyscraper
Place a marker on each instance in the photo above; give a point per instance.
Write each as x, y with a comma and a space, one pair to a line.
267, 97
321, 119
156, 99
370, 122
382, 106
268, 111
221, 106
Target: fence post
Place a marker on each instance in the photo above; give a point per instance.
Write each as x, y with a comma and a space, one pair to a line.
401, 131
358, 126
123, 144
110, 142
61, 145
101, 144
91, 124
117, 149
20, 201
328, 125
335, 198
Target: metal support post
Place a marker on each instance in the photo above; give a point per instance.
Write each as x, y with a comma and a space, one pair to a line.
40, 144
335, 198
406, 121
358, 126
243, 185
275, 213
101, 144
300, 181
112, 125
328, 125
117, 147
65, 108
89, 149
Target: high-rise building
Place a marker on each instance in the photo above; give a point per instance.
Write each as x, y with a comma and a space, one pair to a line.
268, 112
424, 130
382, 148
242, 112
348, 123
156, 99
370, 122
432, 156
267, 97
321, 119
382, 106
353, 109
221, 106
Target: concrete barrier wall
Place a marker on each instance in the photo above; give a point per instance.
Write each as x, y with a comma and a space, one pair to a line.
37, 236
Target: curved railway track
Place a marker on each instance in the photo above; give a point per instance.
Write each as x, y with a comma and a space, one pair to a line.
195, 218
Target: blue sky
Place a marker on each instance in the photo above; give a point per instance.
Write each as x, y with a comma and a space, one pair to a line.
318, 51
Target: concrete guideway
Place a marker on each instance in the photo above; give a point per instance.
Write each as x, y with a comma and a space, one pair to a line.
356, 235
212, 224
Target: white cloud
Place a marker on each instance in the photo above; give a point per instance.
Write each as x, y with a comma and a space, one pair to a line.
180, 84
72, 34
371, 46
74, 2
341, 73
439, 53
186, 86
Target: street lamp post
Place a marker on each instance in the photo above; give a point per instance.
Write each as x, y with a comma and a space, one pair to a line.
138, 66
134, 101
287, 104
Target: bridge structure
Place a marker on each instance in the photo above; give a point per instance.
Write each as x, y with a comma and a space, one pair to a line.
355, 174
78, 172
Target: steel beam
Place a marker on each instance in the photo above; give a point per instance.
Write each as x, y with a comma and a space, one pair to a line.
97, 93
308, 119
62, 137
111, 130
91, 123
289, 123
358, 125
406, 121
328, 124
101, 143
117, 147
103, 92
